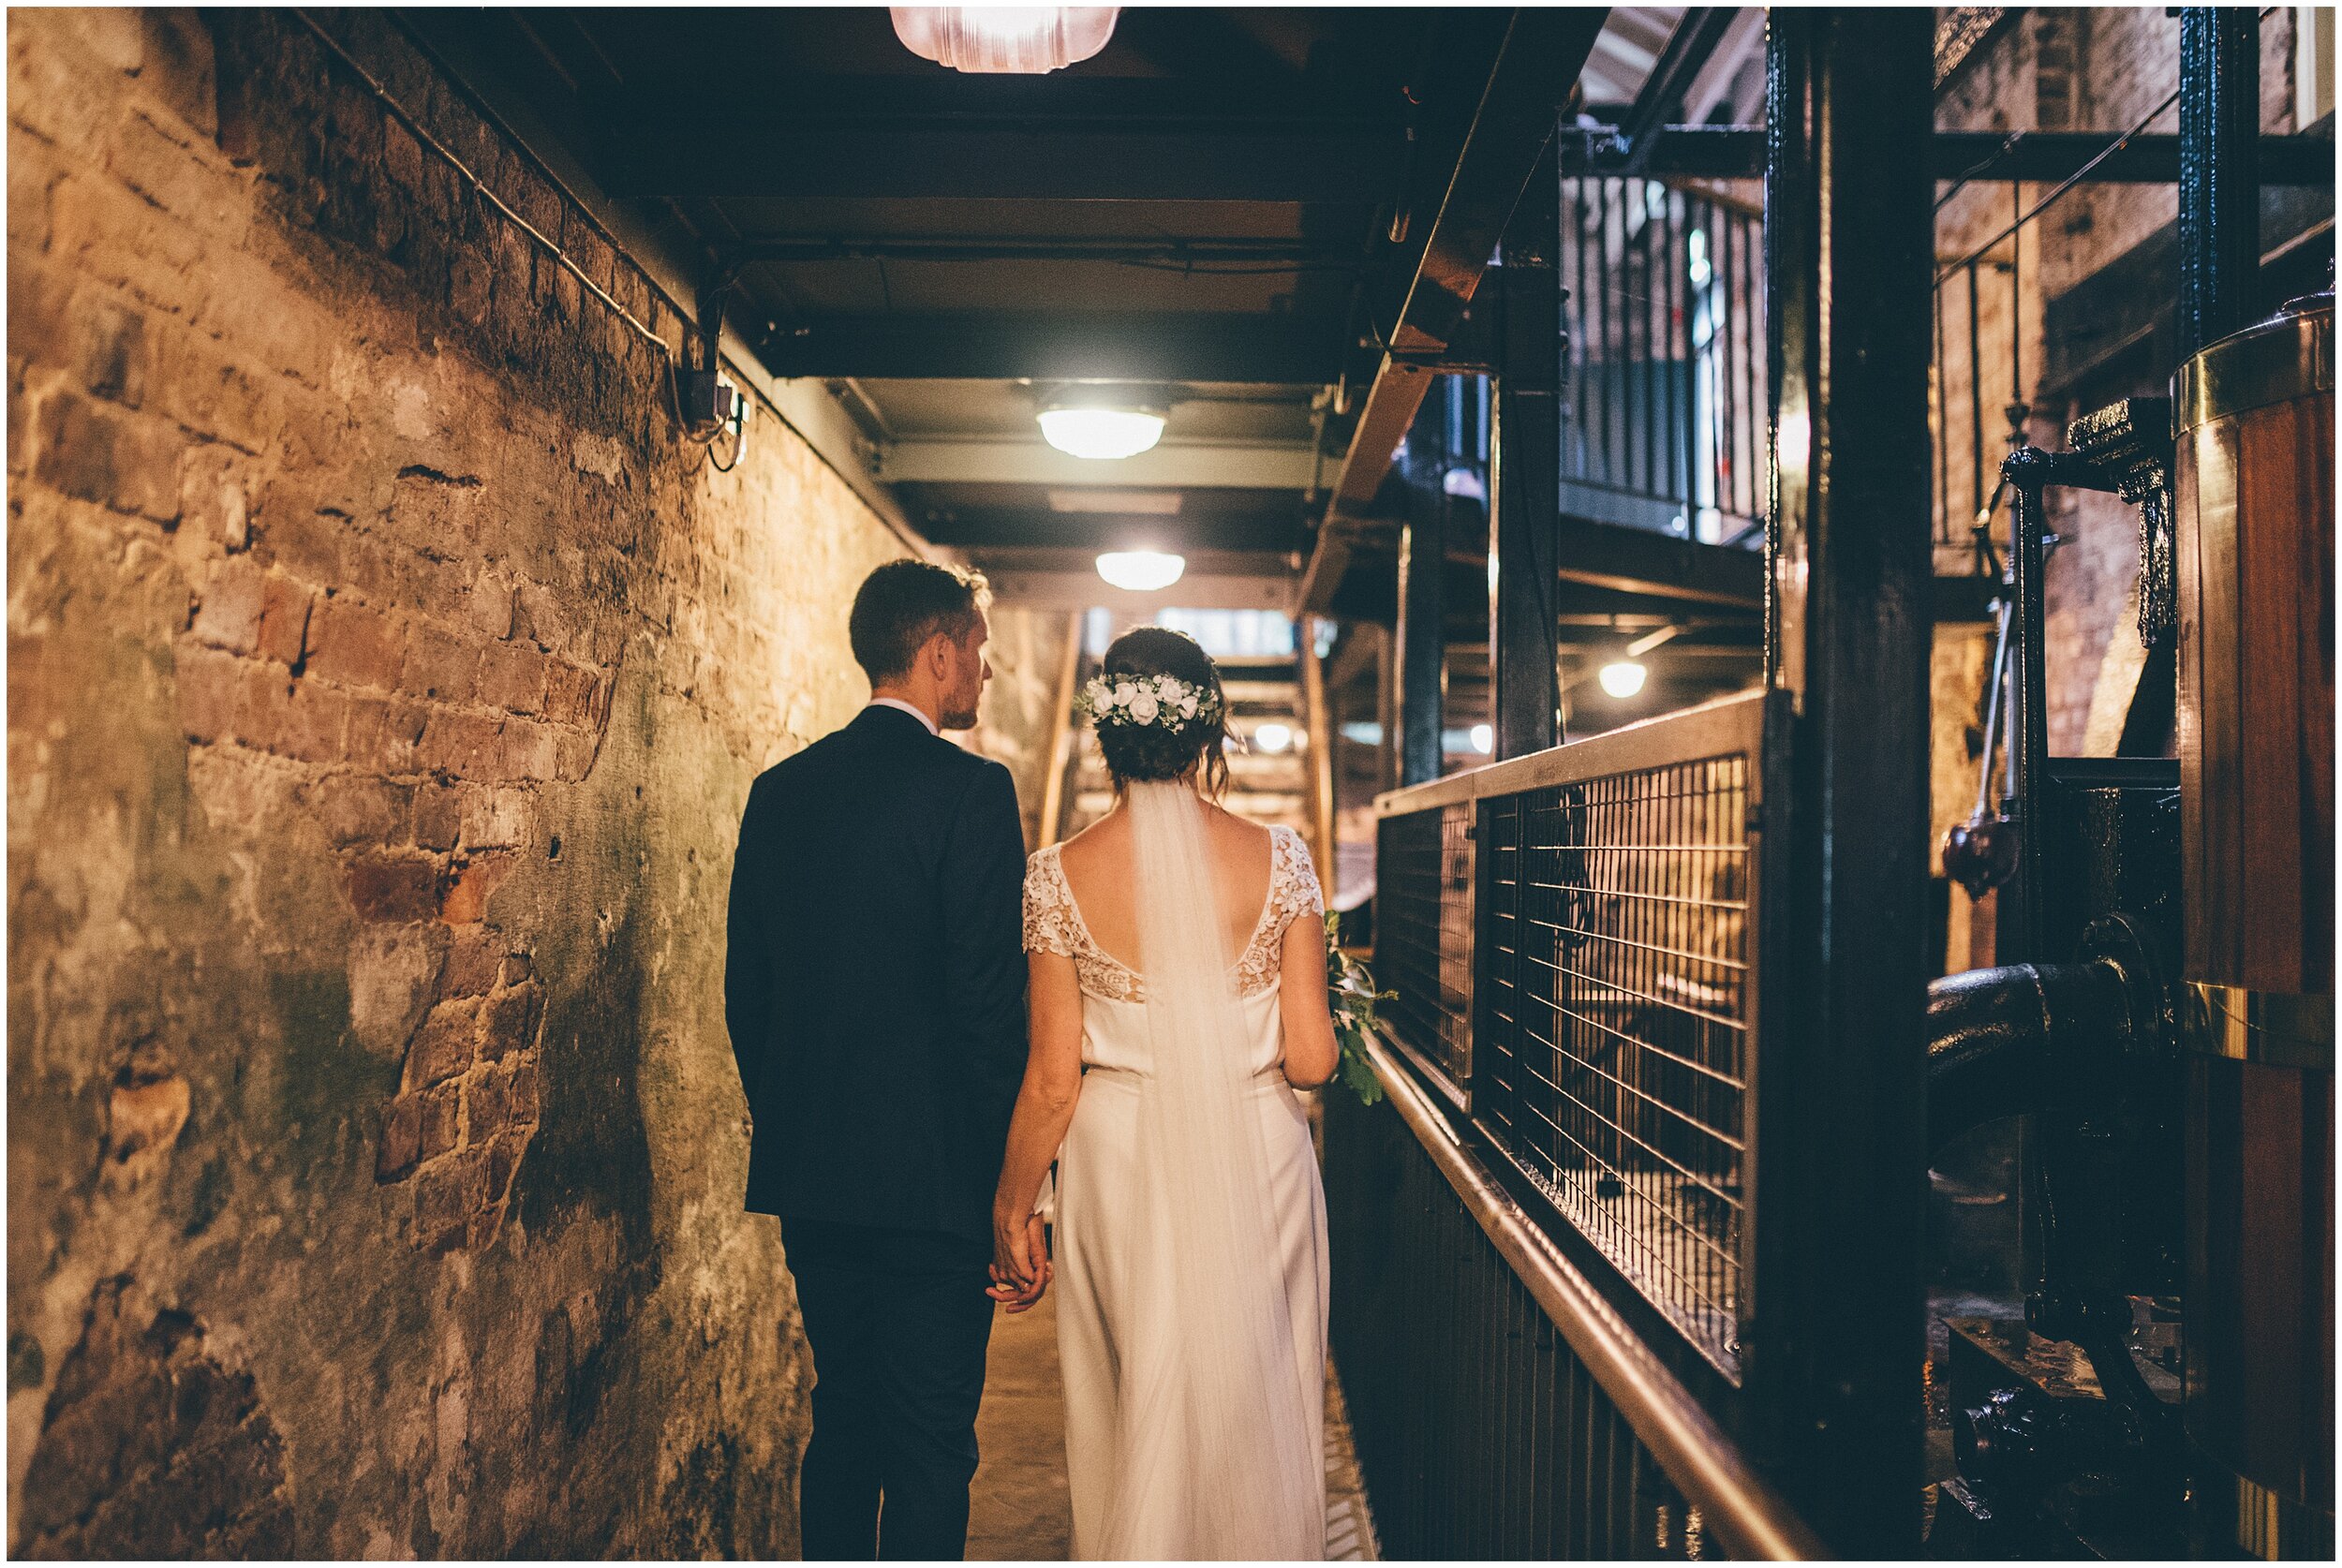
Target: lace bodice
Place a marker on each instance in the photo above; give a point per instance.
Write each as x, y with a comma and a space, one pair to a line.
1053, 924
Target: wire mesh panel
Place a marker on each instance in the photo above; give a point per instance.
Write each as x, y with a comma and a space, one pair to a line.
1615, 1021
1423, 929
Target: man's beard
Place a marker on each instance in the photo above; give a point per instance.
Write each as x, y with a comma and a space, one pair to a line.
959, 717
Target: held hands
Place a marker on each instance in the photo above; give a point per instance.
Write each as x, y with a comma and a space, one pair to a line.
1020, 1263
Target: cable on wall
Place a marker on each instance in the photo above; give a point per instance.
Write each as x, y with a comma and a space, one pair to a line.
550, 247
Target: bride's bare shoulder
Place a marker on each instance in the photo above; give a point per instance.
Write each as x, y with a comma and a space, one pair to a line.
1106, 836
1239, 833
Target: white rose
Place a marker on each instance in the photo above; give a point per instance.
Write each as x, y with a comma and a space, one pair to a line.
1187, 705
1144, 708
1123, 692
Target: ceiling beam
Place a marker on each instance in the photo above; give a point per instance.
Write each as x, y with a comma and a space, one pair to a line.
1696, 34
1082, 589
1637, 560
720, 153
1204, 253
1738, 153
1535, 68
1036, 527
994, 346
1181, 465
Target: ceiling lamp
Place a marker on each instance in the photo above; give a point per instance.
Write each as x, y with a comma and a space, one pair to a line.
1089, 427
1140, 571
1623, 679
1483, 738
1272, 737
1029, 41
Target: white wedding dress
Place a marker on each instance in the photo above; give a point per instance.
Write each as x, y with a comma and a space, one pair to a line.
1191, 1265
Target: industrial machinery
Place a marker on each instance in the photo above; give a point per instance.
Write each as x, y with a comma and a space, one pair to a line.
2171, 1390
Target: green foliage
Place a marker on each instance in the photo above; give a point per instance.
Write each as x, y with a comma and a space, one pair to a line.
1354, 1000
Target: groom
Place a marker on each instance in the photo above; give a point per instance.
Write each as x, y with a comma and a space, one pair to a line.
874, 984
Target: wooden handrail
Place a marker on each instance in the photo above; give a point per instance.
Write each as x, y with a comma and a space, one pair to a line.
1703, 1462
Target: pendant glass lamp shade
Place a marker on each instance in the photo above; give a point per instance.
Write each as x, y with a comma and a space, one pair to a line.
1101, 434
1140, 571
1623, 680
1029, 41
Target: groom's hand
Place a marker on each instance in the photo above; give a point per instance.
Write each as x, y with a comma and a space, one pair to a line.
1021, 1264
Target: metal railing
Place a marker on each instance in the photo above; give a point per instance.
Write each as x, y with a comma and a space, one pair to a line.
1585, 920
1604, 931
1664, 404
1501, 1409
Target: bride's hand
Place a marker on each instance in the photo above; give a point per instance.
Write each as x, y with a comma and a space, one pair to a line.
1020, 1263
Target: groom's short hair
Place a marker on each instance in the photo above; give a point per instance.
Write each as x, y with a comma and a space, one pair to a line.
902, 604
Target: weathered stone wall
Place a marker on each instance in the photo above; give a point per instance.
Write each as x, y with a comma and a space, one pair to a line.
385, 680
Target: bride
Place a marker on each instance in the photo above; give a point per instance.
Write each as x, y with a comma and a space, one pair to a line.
1178, 999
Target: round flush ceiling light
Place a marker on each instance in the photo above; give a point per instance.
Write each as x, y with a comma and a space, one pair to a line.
1140, 571
1100, 432
1273, 736
1623, 680
1029, 41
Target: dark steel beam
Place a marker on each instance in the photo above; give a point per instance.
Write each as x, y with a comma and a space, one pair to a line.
724, 156
1204, 255
1635, 560
1279, 350
1688, 47
1037, 528
1738, 153
1524, 474
1422, 652
935, 99
2219, 176
1536, 66
1838, 1344
1544, 51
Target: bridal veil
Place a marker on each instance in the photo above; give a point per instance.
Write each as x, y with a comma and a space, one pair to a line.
1212, 1403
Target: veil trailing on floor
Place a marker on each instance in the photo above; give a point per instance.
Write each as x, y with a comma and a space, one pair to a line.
1214, 1413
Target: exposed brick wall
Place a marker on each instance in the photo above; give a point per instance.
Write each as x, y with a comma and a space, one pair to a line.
2105, 68
385, 680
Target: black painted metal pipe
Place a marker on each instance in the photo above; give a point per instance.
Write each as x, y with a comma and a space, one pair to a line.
1994, 1037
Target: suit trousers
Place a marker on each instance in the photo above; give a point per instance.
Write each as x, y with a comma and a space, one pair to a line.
898, 1324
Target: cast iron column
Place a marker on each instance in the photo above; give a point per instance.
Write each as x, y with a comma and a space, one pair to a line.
1524, 474
2220, 177
1840, 1164
1422, 607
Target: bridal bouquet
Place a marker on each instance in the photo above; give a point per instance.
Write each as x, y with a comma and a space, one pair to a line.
1354, 1001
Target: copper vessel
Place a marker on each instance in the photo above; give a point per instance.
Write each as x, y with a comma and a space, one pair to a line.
2253, 416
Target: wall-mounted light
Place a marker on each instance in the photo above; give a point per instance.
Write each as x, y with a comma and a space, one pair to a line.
1029, 40
1100, 425
1140, 571
1623, 678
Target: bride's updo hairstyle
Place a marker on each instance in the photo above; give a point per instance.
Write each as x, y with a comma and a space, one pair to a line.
1171, 746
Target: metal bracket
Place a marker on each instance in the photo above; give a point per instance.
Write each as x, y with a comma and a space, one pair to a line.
2131, 443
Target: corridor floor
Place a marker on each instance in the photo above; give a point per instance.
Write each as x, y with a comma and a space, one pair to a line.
1017, 1509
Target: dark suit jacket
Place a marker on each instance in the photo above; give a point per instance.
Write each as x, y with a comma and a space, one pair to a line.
874, 978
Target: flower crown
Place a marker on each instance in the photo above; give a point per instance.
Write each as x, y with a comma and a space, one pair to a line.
1133, 700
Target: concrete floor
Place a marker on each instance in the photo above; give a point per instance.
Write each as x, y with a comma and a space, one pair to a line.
1018, 1510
